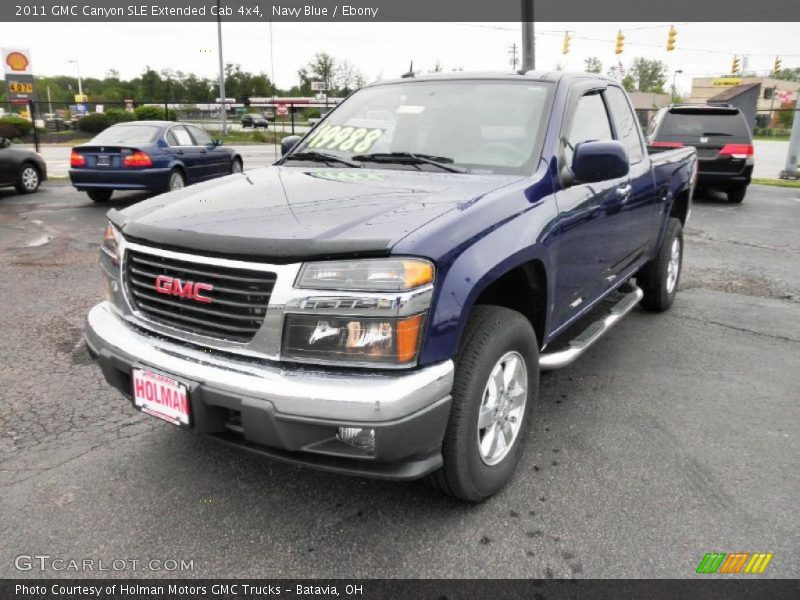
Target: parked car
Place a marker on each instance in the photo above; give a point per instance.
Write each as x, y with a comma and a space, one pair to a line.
723, 140
314, 120
381, 303
253, 120
155, 156
22, 168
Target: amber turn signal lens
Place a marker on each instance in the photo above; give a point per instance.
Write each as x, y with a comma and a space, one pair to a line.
408, 335
417, 273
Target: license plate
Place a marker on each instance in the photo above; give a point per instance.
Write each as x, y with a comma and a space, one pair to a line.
160, 396
103, 161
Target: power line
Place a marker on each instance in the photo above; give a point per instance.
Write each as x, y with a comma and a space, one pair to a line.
560, 32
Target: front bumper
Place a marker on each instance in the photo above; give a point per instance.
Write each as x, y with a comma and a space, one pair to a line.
290, 413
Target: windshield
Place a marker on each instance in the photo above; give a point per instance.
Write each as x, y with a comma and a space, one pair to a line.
127, 134
484, 126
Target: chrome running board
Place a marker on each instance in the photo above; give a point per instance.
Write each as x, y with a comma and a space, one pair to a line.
596, 330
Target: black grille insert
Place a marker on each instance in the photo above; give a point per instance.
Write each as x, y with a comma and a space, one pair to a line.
239, 297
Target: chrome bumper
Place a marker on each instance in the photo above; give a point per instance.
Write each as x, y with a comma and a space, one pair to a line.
362, 396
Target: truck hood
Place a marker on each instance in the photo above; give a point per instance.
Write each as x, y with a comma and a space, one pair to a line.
291, 213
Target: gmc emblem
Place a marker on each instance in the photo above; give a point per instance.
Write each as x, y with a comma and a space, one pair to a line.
189, 289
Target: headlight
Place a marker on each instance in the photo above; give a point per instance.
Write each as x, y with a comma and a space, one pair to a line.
352, 340
370, 275
111, 241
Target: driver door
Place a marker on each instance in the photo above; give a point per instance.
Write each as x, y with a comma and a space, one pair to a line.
592, 236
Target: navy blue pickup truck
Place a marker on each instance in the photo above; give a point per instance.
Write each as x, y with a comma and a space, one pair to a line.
381, 301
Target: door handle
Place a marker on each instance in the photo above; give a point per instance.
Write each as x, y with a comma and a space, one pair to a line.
624, 191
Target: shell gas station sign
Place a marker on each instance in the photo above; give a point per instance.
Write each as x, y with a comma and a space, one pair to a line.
19, 75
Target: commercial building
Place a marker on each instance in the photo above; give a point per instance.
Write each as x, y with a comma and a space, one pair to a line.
757, 97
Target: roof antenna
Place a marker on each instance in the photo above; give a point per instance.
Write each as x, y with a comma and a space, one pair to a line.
410, 71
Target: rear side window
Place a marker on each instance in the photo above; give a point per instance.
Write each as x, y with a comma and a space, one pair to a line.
178, 136
590, 123
626, 123
704, 123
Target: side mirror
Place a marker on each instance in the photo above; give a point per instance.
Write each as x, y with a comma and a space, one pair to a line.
288, 143
599, 161
5, 142
216, 142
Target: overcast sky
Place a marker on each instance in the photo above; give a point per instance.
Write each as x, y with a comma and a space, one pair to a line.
385, 49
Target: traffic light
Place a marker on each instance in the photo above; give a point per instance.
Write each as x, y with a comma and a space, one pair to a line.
567, 40
776, 68
736, 65
673, 33
620, 43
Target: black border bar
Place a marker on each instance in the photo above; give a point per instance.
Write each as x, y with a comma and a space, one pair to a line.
348, 11
712, 587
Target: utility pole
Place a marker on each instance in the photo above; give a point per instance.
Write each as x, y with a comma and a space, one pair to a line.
514, 59
223, 112
528, 42
793, 157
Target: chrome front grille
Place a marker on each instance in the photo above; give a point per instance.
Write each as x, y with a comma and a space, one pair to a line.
238, 297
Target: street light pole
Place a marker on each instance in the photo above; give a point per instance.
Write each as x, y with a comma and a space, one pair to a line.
674, 89
78, 69
528, 42
221, 71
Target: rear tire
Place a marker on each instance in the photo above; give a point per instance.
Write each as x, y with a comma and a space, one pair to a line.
659, 278
736, 195
478, 461
28, 179
100, 196
176, 181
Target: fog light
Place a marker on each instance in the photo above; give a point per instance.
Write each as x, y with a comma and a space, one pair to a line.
358, 437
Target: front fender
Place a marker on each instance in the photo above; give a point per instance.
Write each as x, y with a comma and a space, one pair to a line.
517, 240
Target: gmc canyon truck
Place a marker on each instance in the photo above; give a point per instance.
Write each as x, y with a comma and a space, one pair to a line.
381, 301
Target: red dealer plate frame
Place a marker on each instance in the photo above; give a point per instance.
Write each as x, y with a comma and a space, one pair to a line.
161, 396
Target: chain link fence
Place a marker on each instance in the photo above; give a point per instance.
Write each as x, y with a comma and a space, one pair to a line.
43, 122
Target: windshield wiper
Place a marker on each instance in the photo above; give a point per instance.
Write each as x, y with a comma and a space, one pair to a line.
410, 158
314, 156
709, 133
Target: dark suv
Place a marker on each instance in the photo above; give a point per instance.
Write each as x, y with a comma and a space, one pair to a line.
722, 138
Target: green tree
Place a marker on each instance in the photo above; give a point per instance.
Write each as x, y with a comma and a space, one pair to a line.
320, 68
788, 74
592, 64
649, 75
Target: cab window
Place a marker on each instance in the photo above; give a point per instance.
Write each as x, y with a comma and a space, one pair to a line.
590, 123
626, 124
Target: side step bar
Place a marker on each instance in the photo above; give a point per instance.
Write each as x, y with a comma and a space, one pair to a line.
591, 334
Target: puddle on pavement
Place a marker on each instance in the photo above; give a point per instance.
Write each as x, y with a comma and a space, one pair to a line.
40, 241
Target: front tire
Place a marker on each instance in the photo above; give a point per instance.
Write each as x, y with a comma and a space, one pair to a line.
236, 166
100, 196
659, 278
496, 384
28, 179
736, 195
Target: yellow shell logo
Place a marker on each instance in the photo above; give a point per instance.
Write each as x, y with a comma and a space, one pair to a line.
17, 61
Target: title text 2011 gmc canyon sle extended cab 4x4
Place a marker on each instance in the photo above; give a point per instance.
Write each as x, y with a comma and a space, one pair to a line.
381, 301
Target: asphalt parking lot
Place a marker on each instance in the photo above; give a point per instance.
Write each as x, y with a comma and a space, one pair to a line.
674, 436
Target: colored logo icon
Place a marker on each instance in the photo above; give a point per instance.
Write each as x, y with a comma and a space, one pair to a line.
734, 562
